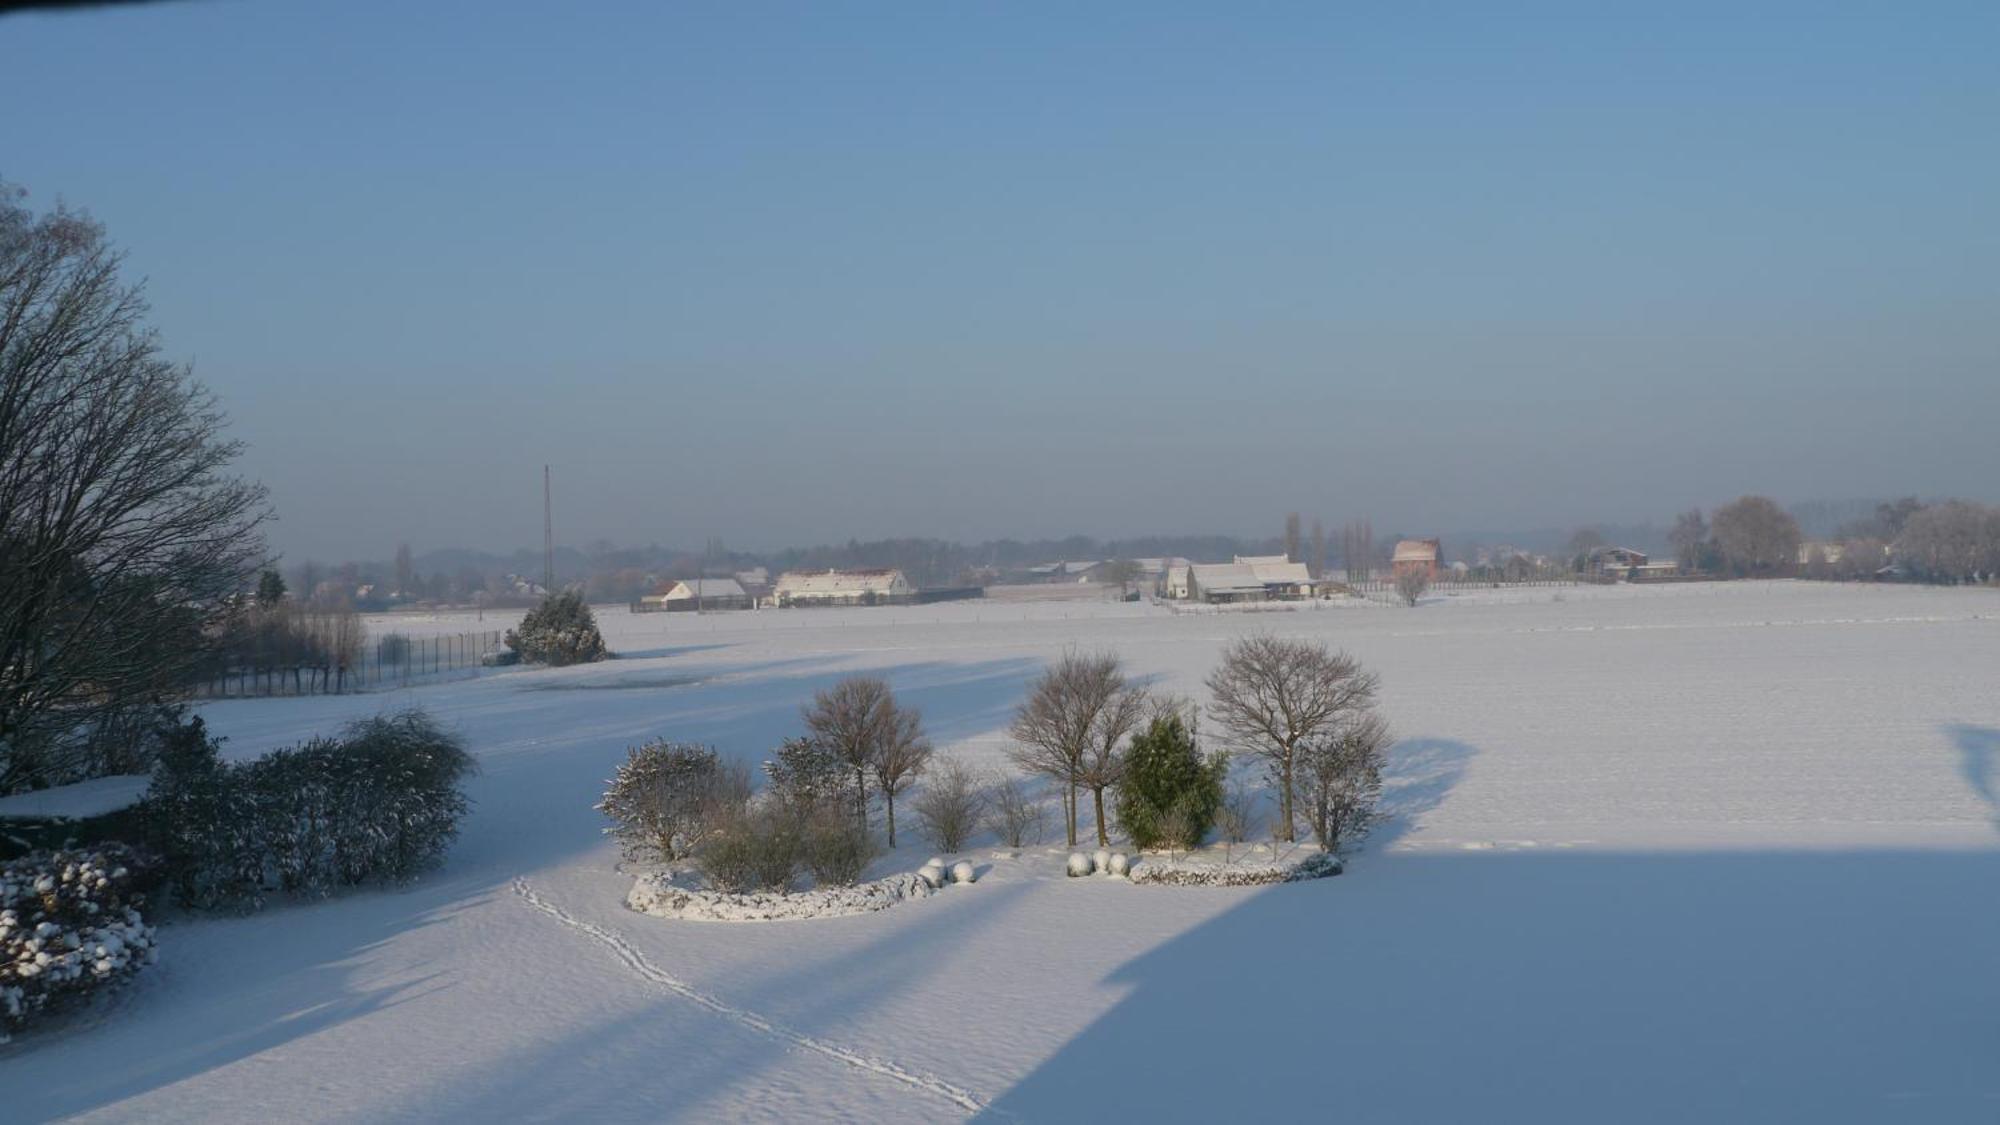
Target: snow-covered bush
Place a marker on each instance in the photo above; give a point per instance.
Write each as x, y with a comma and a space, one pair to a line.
664, 895
837, 848
808, 775
1169, 794
560, 631
758, 850
668, 796
1318, 865
1121, 864
381, 802
69, 926
1078, 866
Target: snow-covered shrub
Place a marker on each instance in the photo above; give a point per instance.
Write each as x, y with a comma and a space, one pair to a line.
381, 802
560, 631
1318, 865
755, 851
1100, 861
663, 895
1079, 865
808, 775
932, 874
69, 926
668, 796
962, 872
1121, 864
1169, 794
949, 804
837, 848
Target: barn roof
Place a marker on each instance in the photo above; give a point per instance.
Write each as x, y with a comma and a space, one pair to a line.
1416, 550
705, 588
838, 581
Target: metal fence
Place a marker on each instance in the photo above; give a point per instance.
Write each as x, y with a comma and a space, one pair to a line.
391, 660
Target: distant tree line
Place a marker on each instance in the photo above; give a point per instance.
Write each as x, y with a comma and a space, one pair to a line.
1952, 541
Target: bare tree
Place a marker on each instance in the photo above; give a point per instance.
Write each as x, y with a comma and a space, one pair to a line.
1582, 542
1756, 536
1272, 696
852, 719
122, 537
1357, 549
1235, 819
1411, 584
1294, 543
1124, 572
900, 756
1955, 541
1103, 763
949, 805
1316, 558
1340, 777
1689, 536
1058, 726
1017, 817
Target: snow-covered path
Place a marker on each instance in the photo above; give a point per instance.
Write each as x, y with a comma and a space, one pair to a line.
1720, 852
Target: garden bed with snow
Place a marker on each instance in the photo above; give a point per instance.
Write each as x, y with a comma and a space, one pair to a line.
1169, 873
672, 895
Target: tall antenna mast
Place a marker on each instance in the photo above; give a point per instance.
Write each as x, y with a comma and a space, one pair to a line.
548, 535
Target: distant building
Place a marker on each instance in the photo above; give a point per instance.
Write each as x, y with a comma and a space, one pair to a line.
1828, 552
1615, 562
699, 593
1250, 578
1416, 555
841, 587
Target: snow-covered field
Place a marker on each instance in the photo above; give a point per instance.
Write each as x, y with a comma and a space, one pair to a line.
1722, 852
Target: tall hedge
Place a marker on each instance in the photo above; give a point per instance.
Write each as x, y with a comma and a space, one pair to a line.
378, 804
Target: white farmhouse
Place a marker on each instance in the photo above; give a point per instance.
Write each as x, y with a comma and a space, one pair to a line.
1249, 578
841, 587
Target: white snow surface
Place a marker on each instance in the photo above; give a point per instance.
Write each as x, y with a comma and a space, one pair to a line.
95, 797
1719, 852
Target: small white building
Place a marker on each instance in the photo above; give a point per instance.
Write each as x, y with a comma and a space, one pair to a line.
841, 587
699, 594
1249, 578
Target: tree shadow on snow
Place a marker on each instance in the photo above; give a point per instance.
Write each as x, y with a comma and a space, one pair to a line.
230, 1000
229, 989
1979, 763
1421, 773
671, 1059
1576, 987
667, 650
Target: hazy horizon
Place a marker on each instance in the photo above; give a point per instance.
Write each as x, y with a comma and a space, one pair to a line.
797, 276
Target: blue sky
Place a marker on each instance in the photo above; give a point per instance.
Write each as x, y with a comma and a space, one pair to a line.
786, 273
